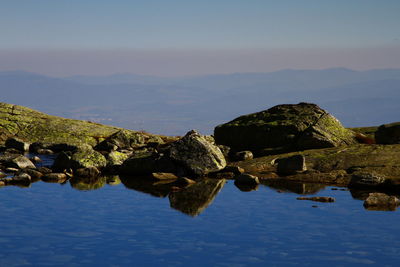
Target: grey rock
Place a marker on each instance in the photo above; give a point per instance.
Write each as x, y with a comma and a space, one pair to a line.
20, 162
197, 154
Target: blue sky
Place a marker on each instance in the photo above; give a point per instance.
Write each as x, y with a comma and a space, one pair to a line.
169, 26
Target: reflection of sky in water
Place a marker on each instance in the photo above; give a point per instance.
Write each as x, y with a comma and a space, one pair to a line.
51, 224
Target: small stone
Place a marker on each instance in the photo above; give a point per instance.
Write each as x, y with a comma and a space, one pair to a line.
381, 201
318, 199
21, 162
164, 176
33, 173
291, 165
11, 170
35, 159
247, 179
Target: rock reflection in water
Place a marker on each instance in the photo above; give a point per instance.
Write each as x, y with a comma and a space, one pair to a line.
194, 199
291, 186
146, 185
93, 183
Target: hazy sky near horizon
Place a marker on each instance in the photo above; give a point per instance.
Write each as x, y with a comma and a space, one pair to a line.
170, 38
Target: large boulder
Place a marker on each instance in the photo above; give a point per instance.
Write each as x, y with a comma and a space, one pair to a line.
388, 134
284, 128
198, 154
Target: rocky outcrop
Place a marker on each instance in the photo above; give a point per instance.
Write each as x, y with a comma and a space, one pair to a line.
32, 126
388, 134
284, 128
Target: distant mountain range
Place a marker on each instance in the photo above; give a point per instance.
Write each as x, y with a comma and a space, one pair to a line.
175, 105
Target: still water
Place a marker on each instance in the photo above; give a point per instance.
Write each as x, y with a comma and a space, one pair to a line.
212, 223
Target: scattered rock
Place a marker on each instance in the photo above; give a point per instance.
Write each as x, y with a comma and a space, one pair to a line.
197, 154
388, 134
17, 143
121, 140
381, 201
318, 199
35, 174
247, 179
20, 162
22, 179
293, 127
291, 165
83, 157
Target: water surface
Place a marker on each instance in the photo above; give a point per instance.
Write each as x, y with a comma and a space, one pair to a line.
215, 223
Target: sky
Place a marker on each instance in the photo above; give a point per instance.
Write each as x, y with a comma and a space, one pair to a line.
173, 38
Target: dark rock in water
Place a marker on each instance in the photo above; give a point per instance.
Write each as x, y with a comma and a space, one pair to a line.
243, 155
147, 163
87, 172
366, 179
388, 134
291, 165
54, 178
292, 127
247, 179
381, 201
197, 154
194, 199
83, 157
17, 143
22, 179
318, 199
35, 174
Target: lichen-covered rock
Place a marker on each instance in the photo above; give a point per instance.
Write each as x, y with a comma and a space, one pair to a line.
197, 154
33, 126
388, 134
83, 157
286, 128
115, 158
366, 179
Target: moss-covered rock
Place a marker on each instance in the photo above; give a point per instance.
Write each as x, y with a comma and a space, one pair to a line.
32, 126
284, 128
